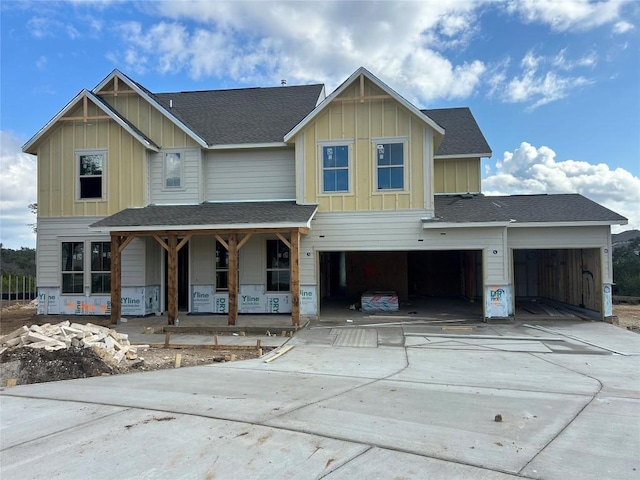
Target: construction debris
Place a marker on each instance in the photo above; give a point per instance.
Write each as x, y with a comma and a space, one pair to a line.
111, 346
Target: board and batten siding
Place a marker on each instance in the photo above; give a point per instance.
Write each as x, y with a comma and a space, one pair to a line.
456, 175
53, 231
362, 125
58, 174
566, 238
190, 192
399, 231
244, 175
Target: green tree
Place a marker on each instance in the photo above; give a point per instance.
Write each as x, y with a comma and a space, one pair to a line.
626, 269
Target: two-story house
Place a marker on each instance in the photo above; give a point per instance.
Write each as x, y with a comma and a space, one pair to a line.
262, 200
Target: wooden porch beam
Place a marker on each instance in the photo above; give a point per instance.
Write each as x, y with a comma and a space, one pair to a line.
184, 241
232, 283
295, 277
116, 280
125, 242
244, 240
172, 276
284, 240
161, 241
222, 242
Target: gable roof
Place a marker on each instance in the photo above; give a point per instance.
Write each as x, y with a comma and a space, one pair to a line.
115, 116
207, 216
245, 115
516, 210
463, 137
376, 81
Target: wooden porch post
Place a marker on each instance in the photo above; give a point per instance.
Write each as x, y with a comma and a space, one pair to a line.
172, 274
116, 279
233, 278
295, 277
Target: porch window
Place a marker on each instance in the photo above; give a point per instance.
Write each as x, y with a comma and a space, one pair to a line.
390, 165
91, 168
222, 267
335, 168
100, 267
172, 170
278, 272
72, 267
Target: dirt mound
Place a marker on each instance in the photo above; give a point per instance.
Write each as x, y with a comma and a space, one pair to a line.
30, 365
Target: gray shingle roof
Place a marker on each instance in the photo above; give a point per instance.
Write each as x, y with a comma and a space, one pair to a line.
521, 209
462, 134
236, 214
245, 115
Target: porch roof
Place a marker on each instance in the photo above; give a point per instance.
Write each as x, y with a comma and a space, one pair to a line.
210, 216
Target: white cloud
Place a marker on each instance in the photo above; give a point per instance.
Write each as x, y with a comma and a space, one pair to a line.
531, 170
568, 14
41, 63
17, 191
622, 27
263, 42
542, 79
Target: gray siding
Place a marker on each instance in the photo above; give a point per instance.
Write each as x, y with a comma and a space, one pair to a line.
265, 174
190, 192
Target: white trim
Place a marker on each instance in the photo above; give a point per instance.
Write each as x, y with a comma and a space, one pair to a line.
232, 226
300, 170
592, 223
97, 102
103, 176
362, 71
181, 155
428, 223
320, 145
154, 103
268, 200
463, 155
241, 146
375, 141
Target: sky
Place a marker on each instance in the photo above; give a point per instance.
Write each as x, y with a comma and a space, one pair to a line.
553, 84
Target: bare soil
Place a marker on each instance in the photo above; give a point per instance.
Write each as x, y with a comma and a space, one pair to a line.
28, 365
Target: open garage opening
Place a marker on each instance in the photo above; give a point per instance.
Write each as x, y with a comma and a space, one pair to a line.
425, 282
558, 282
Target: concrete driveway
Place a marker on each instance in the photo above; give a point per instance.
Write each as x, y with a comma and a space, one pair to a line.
349, 401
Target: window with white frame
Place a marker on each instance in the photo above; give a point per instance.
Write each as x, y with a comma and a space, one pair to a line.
72, 267
91, 174
278, 266
173, 170
335, 168
390, 165
100, 267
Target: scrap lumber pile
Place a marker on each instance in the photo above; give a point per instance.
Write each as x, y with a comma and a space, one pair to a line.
110, 345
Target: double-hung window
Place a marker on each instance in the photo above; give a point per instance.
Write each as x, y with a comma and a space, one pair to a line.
72, 267
222, 267
173, 170
91, 172
390, 165
278, 266
100, 267
335, 168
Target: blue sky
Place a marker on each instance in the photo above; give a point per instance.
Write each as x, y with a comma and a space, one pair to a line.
554, 84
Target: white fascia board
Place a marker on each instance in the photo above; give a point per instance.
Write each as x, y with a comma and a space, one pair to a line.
240, 146
380, 84
97, 103
169, 228
155, 104
427, 224
600, 223
466, 155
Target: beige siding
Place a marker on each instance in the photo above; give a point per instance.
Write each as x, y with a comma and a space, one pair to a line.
58, 185
362, 125
190, 192
457, 175
265, 174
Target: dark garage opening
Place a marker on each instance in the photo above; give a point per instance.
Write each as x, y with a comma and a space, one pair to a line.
345, 276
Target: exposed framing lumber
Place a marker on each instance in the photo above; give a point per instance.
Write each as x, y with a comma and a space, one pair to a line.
295, 277
125, 242
284, 240
244, 240
232, 283
222, 241
172, 275
116, 279
162, 243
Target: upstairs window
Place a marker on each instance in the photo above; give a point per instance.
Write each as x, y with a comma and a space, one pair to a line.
390, 165
172, 170
72, 267
335, 168
91, 174
100, 267
278, 266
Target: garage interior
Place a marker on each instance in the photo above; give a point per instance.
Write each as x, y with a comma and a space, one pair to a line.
558, 282
420, 278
